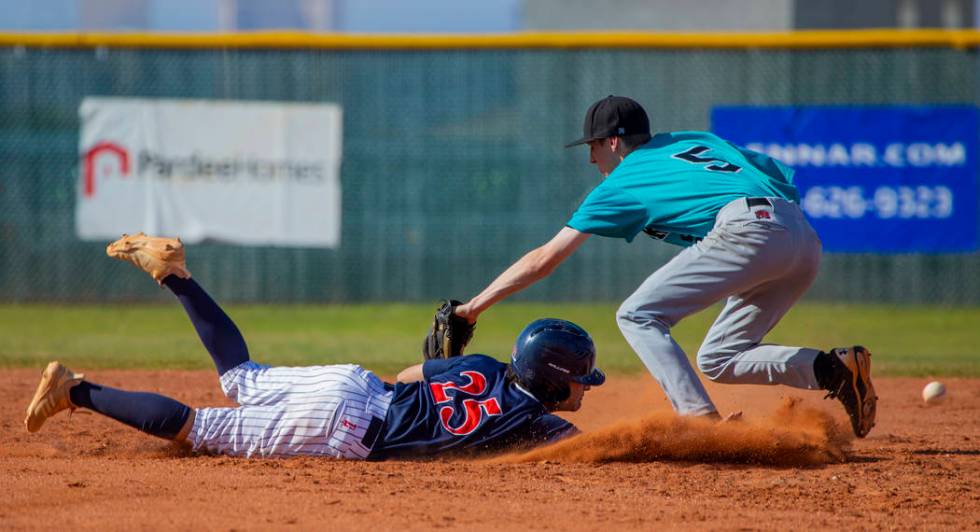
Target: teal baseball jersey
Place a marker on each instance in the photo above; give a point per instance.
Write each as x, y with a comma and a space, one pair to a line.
673, 187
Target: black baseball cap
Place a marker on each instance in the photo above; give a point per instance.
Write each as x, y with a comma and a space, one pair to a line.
613, 116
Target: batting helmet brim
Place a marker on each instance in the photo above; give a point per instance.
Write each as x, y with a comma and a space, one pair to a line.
596, 378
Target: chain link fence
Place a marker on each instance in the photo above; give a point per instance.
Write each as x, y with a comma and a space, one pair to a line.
453, 163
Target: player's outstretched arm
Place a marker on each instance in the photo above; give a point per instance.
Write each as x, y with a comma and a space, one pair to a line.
532, 267
410, 374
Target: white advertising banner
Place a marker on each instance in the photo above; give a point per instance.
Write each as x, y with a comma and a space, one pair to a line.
251, 173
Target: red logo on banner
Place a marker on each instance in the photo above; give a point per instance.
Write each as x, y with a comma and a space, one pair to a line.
102, 152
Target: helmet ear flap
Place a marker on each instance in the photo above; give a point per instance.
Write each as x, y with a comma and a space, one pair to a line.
549, 393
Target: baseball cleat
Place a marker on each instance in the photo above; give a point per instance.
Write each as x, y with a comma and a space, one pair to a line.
854, 388
51, 396
715, 417
156, 256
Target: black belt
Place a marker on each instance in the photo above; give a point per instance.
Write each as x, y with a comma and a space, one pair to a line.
758, 202
373, 431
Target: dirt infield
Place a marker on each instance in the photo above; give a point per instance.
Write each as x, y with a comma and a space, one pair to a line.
785, 466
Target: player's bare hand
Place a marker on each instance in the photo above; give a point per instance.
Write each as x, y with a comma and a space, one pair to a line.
466, 311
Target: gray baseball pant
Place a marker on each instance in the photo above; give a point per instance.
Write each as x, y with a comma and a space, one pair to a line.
762, 259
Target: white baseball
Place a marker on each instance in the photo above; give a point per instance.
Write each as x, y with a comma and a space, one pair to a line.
934, 393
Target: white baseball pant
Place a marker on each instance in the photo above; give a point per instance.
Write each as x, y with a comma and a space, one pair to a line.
762, 259
285, 411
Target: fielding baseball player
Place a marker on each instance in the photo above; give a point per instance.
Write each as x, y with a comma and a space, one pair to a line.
461, 403
736, 214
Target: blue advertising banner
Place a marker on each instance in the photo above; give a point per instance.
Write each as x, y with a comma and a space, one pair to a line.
893, 179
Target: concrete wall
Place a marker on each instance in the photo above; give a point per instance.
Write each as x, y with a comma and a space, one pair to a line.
691, 15
745, 15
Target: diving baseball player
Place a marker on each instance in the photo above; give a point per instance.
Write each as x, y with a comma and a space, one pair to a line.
463, 403
736, 214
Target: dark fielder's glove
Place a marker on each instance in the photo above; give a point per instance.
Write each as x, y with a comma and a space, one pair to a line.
449, 333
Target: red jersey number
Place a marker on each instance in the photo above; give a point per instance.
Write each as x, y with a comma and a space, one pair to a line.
474, 409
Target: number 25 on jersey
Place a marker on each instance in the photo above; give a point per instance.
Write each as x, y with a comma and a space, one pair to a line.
474, 409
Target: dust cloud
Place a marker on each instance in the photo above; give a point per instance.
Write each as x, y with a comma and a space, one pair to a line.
794, 435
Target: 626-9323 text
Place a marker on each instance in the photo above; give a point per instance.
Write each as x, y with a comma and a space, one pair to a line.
884, 202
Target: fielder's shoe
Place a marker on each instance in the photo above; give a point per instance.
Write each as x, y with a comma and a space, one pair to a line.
51, 396
734, 417
156, 256
853, 387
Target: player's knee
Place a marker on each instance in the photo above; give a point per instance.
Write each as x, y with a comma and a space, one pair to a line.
233, 380
631, 314
623, 313
712, 366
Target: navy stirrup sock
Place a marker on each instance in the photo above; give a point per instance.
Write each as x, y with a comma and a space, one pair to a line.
218, 333
827, 369
149, 412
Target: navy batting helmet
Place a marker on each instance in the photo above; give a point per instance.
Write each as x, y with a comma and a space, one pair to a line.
549, 354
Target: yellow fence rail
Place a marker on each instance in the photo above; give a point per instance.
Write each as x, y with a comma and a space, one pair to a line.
885, 38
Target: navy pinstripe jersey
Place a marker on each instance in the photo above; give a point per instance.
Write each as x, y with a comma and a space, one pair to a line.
464, 404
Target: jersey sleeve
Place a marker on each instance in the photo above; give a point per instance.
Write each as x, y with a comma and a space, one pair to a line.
609, 211
436, 366
550, 428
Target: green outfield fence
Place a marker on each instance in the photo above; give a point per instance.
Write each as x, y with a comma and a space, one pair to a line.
453, 163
